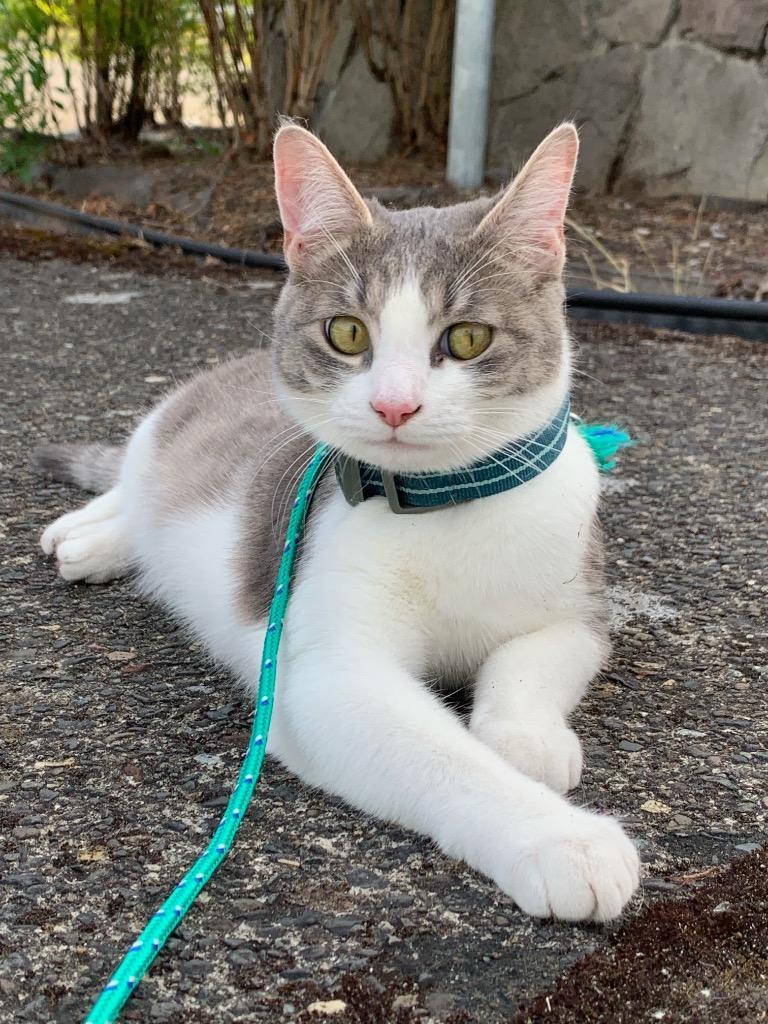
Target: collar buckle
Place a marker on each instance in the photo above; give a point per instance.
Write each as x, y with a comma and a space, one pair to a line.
393, 498
350, 480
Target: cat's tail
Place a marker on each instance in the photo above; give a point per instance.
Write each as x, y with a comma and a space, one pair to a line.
94, 467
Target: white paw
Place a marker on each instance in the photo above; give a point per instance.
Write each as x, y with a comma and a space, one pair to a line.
105, 507
95, 552
580, 867
58, 530
543, 748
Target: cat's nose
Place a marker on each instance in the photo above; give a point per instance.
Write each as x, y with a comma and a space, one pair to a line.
395, 411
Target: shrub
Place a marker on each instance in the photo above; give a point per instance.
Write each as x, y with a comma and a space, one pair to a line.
27, 105
267, 56
131, 52
408, 46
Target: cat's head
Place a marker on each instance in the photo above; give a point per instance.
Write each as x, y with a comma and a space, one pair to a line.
421, 339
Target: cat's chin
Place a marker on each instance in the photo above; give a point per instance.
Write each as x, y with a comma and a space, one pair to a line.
406, 456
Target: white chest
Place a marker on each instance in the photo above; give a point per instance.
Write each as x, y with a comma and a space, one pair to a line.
464, 579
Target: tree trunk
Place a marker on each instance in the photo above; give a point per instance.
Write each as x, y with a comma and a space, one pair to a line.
130, 124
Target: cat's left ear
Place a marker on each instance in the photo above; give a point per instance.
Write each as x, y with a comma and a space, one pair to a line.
319, 205
531, 211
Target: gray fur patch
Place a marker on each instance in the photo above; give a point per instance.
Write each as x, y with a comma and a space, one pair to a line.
594, 572
267, 509
223, 440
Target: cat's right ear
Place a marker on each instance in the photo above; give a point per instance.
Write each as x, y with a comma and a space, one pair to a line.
319, 205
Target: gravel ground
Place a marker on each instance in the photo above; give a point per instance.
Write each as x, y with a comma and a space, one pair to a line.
120, 741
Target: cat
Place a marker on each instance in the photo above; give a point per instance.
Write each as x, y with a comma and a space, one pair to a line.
412, 341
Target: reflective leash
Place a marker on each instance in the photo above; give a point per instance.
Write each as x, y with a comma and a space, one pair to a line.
159, 928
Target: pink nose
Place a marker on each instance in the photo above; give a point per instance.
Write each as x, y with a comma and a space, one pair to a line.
395, 411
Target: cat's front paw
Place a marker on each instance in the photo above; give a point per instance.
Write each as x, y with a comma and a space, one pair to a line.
542, 747
580, 867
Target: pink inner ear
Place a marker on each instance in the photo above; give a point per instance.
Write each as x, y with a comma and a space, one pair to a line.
544, 195
532, 210
288, 185
318, 203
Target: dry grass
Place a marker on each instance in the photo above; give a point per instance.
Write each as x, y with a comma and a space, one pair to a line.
616, 271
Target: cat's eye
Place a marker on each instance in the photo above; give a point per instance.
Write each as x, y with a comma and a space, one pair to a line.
466, 340
347, 334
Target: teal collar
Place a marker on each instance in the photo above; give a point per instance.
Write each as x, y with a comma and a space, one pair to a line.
516, 463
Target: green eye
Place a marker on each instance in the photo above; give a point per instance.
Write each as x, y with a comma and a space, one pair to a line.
347, 334
466, 340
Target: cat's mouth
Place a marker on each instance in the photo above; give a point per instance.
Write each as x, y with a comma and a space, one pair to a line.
397, 442
399, 455
401, 451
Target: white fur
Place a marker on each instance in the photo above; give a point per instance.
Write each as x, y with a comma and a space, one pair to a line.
492, 588
105, 507
387, 601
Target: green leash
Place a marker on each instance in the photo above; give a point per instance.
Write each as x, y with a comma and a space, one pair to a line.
604, 440
145, 948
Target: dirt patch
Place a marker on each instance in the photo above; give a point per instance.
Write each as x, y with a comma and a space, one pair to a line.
32, 245
703, 959
680, 245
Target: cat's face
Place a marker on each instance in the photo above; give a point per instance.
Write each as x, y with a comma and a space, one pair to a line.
421, 339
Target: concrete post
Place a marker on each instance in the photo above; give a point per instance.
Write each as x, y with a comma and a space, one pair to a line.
468, 127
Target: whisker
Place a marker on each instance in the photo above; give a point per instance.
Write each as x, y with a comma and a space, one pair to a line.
511, 445
303, 460
262, 332
294, 432
587, 376
352, 268
483, 257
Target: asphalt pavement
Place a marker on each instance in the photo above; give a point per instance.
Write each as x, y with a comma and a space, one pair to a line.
119, 740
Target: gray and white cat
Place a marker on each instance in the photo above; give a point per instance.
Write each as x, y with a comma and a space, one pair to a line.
416, 340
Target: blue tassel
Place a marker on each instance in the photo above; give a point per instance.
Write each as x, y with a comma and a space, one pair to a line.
605, 440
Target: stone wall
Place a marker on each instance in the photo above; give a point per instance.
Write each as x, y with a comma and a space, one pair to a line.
671, 95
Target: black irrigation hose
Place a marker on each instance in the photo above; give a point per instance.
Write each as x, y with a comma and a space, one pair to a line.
119, 228
670, 305
682, 312
689, 313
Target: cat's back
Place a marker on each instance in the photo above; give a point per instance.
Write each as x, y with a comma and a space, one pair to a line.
232, 393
